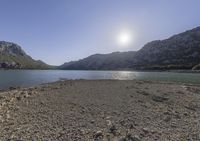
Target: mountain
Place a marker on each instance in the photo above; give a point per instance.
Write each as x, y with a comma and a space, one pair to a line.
181, 51
13, 57
115, 60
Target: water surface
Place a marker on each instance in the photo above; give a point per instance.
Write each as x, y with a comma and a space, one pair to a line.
23, 78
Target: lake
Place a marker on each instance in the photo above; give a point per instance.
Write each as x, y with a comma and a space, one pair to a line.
25, 78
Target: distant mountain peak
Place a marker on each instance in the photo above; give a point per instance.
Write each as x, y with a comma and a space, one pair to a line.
12, 56
11, 48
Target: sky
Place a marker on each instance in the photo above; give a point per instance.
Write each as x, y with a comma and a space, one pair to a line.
58, 31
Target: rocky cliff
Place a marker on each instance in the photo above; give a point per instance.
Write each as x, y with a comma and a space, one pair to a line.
13, 57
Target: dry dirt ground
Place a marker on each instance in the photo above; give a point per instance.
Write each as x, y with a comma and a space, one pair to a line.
107, 110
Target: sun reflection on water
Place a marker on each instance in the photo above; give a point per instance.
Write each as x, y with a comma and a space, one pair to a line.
124, 75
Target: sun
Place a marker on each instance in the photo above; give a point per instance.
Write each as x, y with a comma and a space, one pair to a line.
124, 38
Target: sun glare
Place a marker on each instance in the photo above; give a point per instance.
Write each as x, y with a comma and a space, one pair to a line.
124, 38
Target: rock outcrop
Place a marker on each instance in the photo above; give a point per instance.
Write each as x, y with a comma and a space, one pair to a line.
13, 57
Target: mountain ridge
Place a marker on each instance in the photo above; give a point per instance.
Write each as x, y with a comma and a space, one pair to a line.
101, 59
12, 56
180, 51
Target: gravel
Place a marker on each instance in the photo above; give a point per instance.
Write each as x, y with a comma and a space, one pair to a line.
101, 110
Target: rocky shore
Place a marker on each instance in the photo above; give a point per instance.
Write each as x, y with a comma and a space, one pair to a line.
107, 110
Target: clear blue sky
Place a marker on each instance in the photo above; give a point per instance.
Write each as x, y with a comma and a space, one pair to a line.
57, 31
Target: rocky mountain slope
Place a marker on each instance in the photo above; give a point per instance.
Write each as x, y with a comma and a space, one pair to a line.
13, 57
115, 60
181, 51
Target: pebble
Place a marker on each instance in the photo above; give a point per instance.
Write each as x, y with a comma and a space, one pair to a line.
129, 137
159, 98
145, 130
92, 121
167, 119
98, 135
18, 98
109, 123
113, 129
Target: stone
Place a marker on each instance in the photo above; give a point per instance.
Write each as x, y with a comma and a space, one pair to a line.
18, 98
98, 135
145, 130
113, 129
129, 137
159, 98
167, 118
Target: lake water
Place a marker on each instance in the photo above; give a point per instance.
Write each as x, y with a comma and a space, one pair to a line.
15, 78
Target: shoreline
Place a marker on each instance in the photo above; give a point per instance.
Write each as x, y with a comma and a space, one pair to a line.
136, 70
101, 110
66, 79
